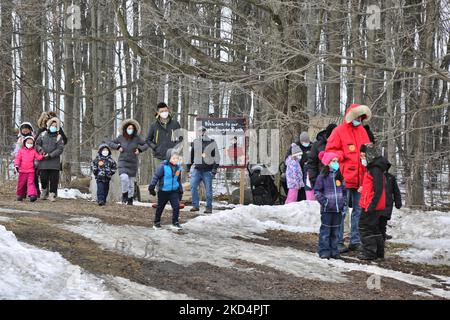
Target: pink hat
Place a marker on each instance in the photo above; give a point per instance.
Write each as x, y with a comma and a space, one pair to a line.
326, 157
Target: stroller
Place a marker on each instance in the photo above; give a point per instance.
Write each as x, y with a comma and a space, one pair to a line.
264, 190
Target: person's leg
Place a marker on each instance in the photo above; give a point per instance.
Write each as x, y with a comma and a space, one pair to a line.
54, 181
32, 192
44, 174
355, 239
195, 182
131, 187
334, 234
100, 191
107, 183
163, 198
21, 191
36, 183
291, 196
324, 235
174, 199
382, 226
124, 183
207, 180
301, 194
342, 247
368, 226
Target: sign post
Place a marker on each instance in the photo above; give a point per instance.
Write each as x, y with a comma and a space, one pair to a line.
230, 136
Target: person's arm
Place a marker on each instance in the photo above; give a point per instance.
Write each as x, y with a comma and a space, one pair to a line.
159, 174
94, 166
63, 135
113, 167
318, 191
189, 165
142, 145
58, 151
18, 159
151, 137
334, 144
313, 165
216, 157
114, 144
377, 175
397, 194
38, 156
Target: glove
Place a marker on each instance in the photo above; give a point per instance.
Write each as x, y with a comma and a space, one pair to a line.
16, 169
152, 191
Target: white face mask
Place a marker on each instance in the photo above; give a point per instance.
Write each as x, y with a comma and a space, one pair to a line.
105, 153
364, 162
29, 145
164, 115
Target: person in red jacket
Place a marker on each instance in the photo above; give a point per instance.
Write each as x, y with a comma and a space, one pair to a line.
24, 166
346, 141
373, 203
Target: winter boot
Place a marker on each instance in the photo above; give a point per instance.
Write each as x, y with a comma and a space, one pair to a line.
130, 201
208, 210
354, 247
52, 197
157, 226
176, 226
194, 209
342, 248
44, 194
33, 198
19, 198
124, 197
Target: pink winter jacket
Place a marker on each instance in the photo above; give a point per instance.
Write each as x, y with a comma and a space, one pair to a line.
25, 159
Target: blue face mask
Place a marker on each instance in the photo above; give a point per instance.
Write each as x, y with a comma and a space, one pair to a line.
53, 129
356, 123
306, 145
130, 132
335, 166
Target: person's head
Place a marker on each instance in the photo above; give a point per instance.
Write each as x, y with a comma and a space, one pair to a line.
330, 159
26, 129
53, 127
296, 151
371, 151
329, 129
304, 139
162, 110
131, 130
105, 152
201, 131
29, 142
358, 114
173, 156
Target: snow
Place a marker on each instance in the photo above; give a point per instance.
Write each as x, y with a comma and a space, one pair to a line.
28, 272
31, 273
428, 233
212, 239
72, 194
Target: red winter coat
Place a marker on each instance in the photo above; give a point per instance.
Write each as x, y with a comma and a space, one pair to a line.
368, 193
346, 141
25, 159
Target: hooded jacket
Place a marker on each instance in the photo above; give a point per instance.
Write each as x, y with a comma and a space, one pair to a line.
373, 194
393, 195
294, 175
128, 160
42, 125
20, 136
168, 178
53, 145
24, 159
346, 141
330, 191
103, 167
162, 136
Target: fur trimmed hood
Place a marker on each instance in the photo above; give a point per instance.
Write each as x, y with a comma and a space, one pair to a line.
356, 110
58, 123
125, 123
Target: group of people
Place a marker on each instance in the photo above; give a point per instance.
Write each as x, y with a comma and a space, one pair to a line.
38, 157
345, 169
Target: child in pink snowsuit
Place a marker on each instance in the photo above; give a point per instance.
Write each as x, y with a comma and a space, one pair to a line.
294, 175
24, 166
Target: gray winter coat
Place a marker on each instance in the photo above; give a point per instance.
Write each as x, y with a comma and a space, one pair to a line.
128, 160
51, 143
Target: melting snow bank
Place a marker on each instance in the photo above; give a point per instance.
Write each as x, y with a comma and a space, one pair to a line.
31, 273
210, 239
427, 232
73, 194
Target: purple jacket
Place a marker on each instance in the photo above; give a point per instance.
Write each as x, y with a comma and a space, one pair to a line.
330, 192
294, 175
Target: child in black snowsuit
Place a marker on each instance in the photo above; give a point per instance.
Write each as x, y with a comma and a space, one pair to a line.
393, 196
373, 203
103, 167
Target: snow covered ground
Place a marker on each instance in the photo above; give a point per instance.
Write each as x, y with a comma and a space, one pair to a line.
212, 239
73, 194
28, 272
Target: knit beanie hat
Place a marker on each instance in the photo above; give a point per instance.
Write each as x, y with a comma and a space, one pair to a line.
296, 151
326, 157
304, 137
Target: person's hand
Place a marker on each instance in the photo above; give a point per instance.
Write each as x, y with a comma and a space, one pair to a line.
46, 156
16, 170
137, 152
152, 191
360, 189
120, 149
181, 196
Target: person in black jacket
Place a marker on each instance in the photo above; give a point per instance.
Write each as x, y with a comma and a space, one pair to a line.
162, 135
315, 166
393, 196
205, 158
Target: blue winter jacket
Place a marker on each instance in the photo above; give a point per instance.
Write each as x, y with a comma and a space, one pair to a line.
167, 177
330, 192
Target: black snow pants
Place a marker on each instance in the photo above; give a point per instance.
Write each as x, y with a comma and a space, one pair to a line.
371, 236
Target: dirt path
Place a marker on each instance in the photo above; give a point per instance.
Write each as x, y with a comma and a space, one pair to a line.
40, 225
